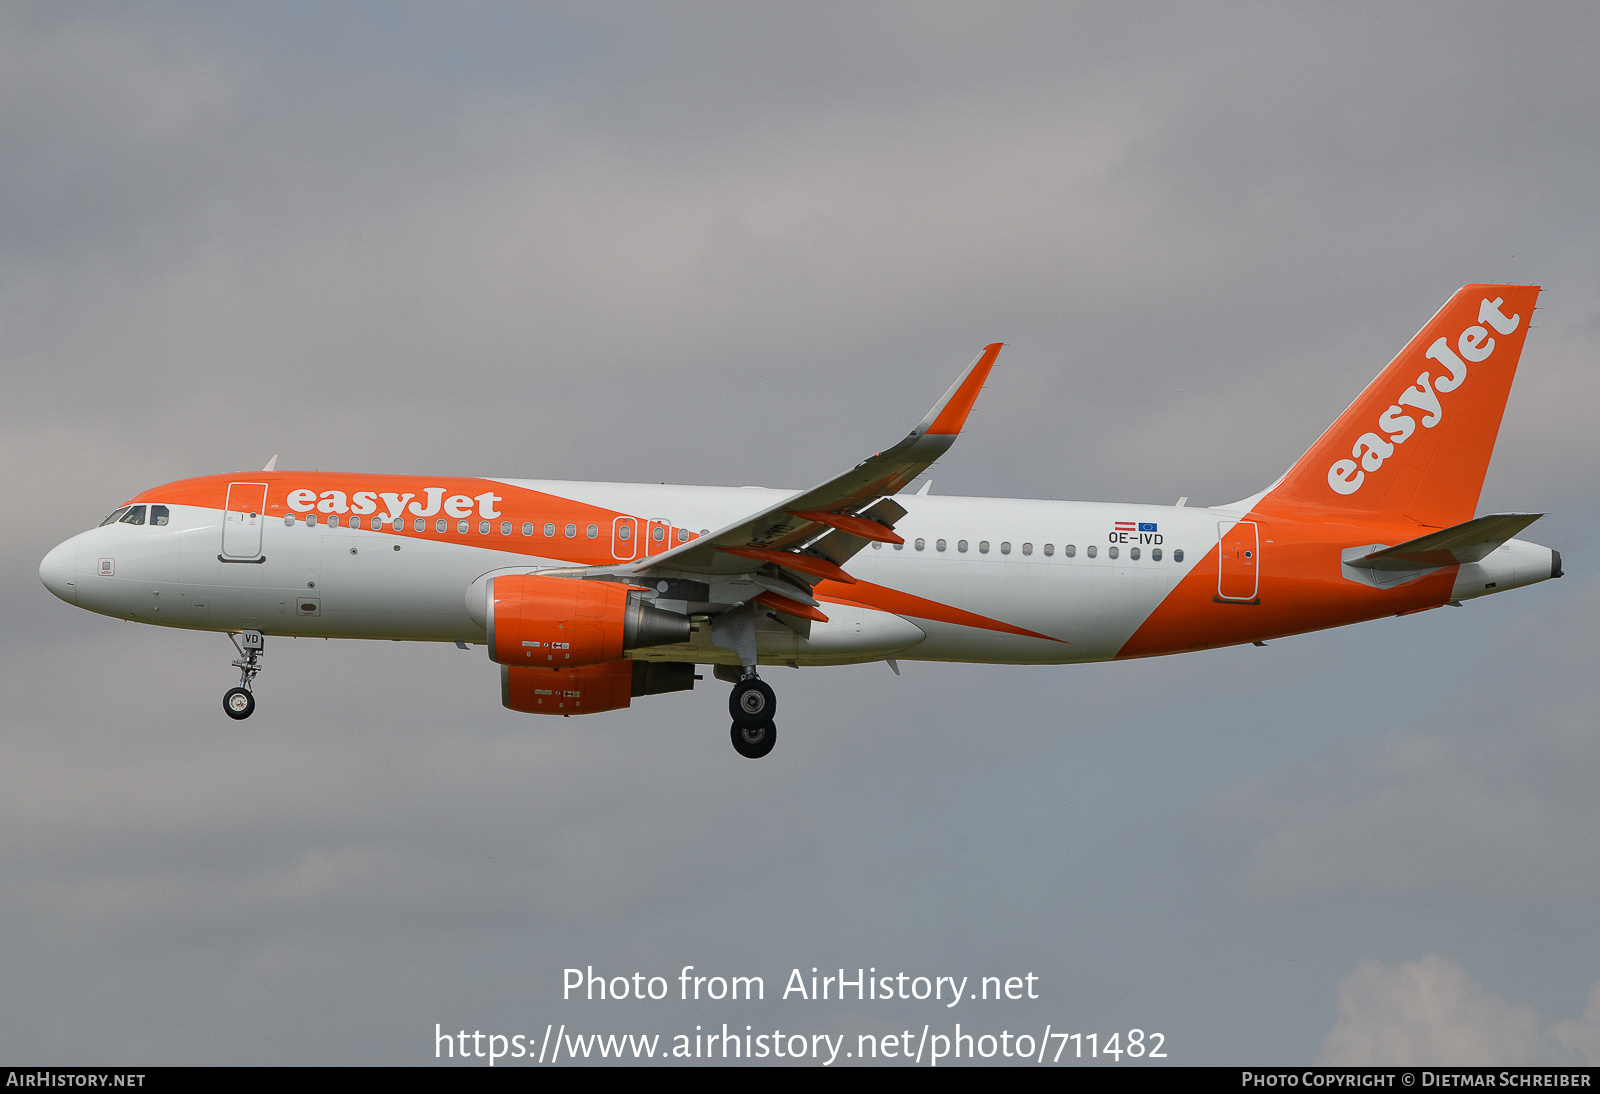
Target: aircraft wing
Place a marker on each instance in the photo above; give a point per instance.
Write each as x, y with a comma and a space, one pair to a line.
812, 533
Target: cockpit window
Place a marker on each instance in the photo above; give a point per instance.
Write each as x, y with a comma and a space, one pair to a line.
114, 517
158, 514
134, 515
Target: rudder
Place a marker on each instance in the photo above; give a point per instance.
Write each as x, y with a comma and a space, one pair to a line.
1415, 445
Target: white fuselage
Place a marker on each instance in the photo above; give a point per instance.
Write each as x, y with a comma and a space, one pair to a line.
1043, 567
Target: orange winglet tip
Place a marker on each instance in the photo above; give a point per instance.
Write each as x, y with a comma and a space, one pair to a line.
855, 526
806, 564
954, 414
791, 607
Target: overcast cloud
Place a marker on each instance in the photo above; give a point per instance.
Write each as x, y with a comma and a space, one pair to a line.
1432, 1009
745, 244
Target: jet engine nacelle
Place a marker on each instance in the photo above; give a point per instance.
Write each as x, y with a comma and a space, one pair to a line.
567, 623
589, 689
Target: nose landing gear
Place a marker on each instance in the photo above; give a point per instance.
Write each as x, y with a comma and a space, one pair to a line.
239, 703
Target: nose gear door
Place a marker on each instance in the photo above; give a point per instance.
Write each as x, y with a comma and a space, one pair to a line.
242, 518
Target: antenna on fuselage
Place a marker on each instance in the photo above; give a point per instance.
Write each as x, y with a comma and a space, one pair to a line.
272, 464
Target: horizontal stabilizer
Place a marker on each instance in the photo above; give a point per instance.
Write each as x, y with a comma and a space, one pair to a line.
1464, 543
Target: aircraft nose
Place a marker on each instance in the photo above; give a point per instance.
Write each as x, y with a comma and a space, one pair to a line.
58, 571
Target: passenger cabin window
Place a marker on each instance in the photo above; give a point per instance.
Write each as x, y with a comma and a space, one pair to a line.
1113, 552
333, 522
461, 526
311, 520
1133, 553
961, 545
549, 529
1177, 556
1027, 548
483, 527
158, 515
983, 547
1093, 550
939, 546
1070, 550
527, 529
658, 534
505, 528
899, 546
624, 533
288, 518
876, 546
114, 517
1050, 549
1005, 547
572, 531
920, 544
441, 525
592, 531
1155, 554
134, 515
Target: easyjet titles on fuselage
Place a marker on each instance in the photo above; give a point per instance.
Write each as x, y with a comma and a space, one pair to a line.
362, 502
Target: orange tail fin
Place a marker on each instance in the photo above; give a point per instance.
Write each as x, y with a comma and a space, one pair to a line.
1416, 444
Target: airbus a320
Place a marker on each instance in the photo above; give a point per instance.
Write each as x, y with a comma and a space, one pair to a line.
588, 595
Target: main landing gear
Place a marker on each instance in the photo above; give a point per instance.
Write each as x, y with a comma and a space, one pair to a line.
754, 742
752, 705
239, 703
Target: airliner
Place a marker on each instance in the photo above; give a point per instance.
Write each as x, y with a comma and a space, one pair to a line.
587, 595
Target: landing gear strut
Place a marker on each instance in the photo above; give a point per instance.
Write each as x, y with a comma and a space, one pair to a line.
239, 703
751, 703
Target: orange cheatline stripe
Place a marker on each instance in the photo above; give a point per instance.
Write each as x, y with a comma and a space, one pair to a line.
856, 526
791, 607
806, 564
864, 594
954, 415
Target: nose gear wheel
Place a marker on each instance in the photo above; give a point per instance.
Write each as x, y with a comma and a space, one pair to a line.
238, 704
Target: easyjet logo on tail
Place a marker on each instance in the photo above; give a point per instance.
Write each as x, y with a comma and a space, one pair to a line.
1395, 426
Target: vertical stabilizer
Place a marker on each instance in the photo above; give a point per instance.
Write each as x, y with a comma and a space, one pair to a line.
1416, 444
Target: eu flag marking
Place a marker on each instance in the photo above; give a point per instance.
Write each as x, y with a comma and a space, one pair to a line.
1147, 527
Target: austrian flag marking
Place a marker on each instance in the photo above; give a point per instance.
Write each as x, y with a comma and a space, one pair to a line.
1132, 531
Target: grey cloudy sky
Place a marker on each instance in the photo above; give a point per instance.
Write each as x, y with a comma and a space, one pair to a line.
736, 244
